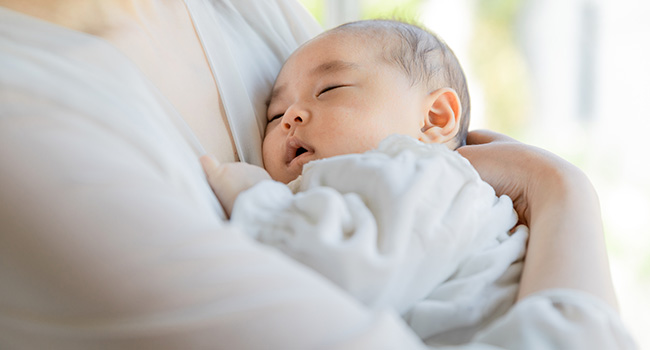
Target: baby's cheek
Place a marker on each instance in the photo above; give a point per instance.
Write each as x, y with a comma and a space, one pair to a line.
269, 157
370, 141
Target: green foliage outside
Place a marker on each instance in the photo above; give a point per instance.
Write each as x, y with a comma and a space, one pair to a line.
500, 66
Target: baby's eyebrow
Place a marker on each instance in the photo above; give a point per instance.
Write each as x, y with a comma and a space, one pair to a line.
334, 66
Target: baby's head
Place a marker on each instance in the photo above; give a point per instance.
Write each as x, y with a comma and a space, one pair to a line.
350, 87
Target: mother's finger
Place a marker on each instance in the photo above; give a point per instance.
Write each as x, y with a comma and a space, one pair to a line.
478, 137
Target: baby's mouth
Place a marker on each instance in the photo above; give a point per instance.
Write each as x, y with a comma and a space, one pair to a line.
295, 149
300, 151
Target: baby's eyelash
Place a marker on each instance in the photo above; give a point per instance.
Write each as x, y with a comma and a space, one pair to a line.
277, 116
330, 88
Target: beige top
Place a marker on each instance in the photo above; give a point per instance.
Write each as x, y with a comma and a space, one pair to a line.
110, 236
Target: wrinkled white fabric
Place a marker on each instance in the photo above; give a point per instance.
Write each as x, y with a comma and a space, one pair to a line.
411, 227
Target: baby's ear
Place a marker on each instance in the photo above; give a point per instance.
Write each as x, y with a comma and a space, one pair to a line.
442, 121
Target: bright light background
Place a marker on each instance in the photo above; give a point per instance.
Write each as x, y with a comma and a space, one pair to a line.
571, 76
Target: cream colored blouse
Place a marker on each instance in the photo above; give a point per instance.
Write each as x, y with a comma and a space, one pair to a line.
110, 236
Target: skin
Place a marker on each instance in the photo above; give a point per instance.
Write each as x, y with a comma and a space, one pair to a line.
336, 95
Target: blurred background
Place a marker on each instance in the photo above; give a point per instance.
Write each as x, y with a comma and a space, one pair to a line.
571, 76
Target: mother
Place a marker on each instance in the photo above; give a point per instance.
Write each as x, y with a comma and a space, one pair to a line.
110, 235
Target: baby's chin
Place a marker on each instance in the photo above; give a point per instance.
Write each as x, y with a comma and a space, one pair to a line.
283, 176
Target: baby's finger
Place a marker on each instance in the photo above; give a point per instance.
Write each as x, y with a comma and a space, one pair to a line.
210, 164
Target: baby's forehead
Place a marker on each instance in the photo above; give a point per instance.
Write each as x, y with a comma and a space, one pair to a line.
345, 45
335, 39
366, 46
369, 36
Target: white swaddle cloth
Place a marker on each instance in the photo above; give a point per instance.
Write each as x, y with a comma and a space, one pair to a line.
409, 226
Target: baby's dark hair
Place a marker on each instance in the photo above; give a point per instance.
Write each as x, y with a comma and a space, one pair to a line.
421, 55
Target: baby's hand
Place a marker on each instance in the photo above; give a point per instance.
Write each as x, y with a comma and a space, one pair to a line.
230, 179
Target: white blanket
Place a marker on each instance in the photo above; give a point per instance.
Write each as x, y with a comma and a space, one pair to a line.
409, 227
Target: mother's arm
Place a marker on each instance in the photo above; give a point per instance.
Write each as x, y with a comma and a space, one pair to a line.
566, 248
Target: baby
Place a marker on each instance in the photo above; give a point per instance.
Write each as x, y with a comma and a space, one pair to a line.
353, 86
362, 124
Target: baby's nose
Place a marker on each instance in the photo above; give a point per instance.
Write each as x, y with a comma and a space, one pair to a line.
293, 119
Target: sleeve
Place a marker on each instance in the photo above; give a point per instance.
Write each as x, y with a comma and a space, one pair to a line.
387, 229
557, 319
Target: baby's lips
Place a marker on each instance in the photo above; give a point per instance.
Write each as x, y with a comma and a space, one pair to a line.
292, 146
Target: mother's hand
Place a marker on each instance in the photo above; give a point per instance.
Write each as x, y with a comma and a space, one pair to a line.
514, 168
566, 247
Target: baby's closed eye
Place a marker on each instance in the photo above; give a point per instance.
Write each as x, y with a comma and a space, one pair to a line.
275, 117
330, 88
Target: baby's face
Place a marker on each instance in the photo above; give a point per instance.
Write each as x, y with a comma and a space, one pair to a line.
335, 95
